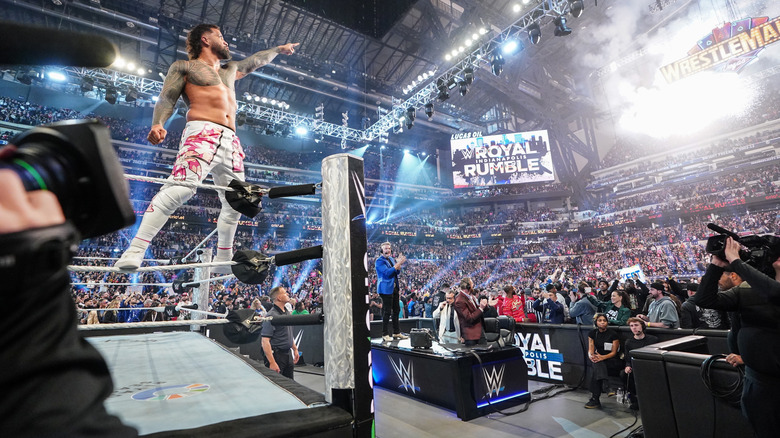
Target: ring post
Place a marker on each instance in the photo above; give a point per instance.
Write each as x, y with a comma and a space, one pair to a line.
348, 378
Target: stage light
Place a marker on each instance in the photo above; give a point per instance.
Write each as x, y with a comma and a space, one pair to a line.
131, 96
429, 110
259, 99
119, 62
247, 96
560, 26
56, 75
464, 88
87, 84
468, 75
411, 112
509, 47
111, 96
576, 6
141, 71
516, 8
444, 93
447, 57
406, 151
497, 64
534, 33
24, 78
155, 98
301, 130
131, 66
410, 115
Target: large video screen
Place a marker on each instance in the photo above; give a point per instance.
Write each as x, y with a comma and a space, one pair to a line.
517, 158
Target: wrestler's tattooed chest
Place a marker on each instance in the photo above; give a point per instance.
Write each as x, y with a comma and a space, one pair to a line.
204, 75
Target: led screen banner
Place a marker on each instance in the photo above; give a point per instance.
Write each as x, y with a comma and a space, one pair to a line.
516, 158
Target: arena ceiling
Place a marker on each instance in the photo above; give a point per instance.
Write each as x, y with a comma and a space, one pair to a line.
357, 55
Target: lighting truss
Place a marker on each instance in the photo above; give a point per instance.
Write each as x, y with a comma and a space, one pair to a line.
117, 79
275, 116
151, 87
548, 8
146, 86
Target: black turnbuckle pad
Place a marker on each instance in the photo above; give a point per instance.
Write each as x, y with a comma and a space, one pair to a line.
245, 198
252, 266
240, 329
178, 283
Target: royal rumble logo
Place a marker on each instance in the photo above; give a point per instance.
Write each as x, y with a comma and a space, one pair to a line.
542, 359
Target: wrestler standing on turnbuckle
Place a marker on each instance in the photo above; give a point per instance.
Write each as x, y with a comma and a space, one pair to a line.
209, 143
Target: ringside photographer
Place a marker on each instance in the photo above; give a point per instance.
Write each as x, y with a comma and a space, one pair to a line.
54, 381
757, 303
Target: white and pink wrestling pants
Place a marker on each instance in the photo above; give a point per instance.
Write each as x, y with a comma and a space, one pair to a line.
205, 148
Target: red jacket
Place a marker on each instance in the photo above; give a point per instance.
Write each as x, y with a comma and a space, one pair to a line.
514, 308
470, 318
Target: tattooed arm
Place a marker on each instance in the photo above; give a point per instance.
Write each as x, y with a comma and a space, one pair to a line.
259, 59
173, 87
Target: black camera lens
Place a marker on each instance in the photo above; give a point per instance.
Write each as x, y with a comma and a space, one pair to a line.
75, 161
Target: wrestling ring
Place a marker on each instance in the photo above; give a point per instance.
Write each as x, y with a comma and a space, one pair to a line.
171, 379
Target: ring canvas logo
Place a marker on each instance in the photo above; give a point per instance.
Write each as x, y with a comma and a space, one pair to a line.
494, 381
405, 375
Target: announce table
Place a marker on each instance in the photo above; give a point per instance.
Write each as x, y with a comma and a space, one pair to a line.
450, 376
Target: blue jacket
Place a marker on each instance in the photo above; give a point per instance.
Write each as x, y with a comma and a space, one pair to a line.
386, 275
552, 311
583, 311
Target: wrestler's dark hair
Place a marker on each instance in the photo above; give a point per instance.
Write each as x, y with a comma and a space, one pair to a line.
194, 46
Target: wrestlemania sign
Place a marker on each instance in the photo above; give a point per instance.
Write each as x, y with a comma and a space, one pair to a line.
730, 47
500, 159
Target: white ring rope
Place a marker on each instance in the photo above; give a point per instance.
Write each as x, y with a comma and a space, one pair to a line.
103, 283
188, 284
208, 280
103, 309
202, 242
150, 324
179, 307
177, 183
117, 258
74, 268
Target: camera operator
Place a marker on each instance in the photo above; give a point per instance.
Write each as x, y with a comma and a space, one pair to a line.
757, 304
54, 381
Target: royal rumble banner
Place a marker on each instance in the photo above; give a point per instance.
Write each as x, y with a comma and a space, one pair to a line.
518, 158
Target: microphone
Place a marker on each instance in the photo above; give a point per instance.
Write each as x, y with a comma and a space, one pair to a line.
721, 230
29, 45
